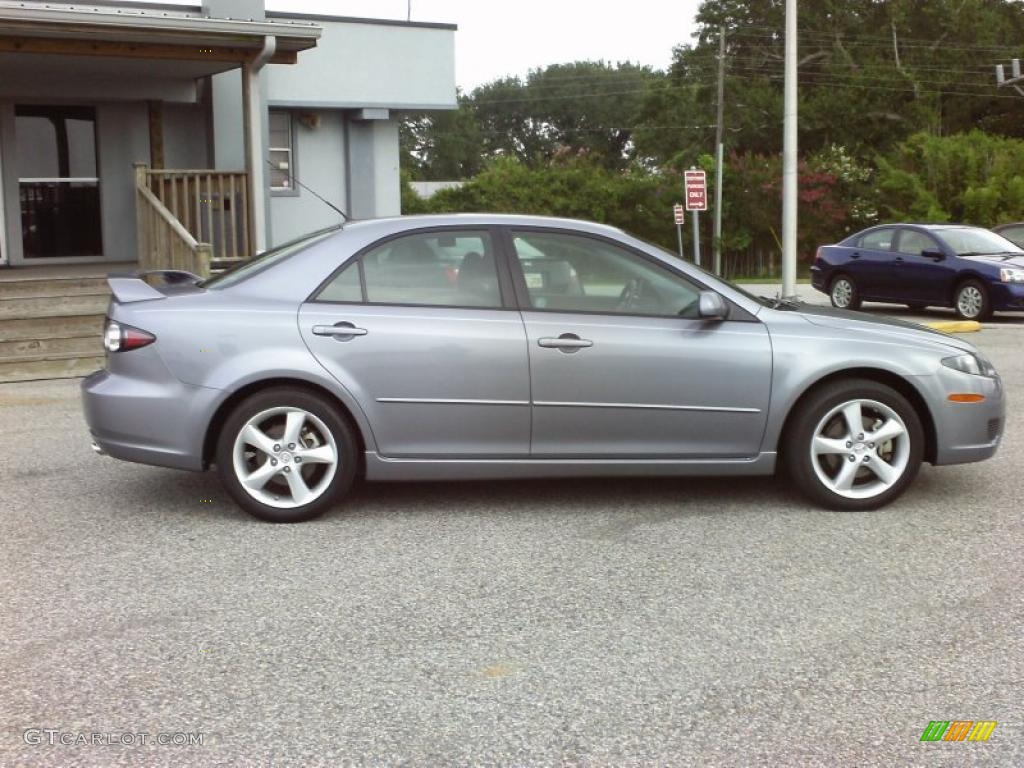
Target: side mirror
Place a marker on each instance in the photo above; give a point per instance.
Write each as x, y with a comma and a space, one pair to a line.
933, 254
713, 306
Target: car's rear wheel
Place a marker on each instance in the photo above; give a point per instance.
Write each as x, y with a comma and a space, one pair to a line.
285, 455
844, 293
854, 445
971, 301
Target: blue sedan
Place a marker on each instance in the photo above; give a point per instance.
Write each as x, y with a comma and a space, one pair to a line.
973, 270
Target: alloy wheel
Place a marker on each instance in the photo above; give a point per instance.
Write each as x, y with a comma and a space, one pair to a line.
842, 293
860, 449
969, 301
285, 457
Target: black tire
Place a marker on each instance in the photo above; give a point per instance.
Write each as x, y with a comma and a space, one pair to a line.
978, 311
854, 301
798, 440
330, 418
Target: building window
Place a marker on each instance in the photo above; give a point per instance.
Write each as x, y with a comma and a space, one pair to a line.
282, 152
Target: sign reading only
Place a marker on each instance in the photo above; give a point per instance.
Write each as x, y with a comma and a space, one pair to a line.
696, 190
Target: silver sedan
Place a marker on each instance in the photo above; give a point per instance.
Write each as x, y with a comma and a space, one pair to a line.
483, 347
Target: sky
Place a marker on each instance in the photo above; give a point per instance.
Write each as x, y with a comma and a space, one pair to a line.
498, 38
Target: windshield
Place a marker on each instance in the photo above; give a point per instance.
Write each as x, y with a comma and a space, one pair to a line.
250, 267
975, 241
766, 301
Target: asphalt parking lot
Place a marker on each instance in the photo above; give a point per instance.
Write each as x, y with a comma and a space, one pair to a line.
600, 623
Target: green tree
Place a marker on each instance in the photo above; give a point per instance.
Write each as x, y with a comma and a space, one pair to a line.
442, 146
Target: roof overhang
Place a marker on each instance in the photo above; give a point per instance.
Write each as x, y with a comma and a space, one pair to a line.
133, 33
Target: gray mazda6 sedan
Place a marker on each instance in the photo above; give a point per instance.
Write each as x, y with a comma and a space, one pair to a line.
476, 347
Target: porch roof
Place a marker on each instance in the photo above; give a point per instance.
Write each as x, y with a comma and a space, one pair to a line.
132, 32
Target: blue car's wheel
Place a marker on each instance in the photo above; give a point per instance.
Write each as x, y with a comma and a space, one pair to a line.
971, 301
844, 293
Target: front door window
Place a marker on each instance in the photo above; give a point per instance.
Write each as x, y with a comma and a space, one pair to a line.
57, 181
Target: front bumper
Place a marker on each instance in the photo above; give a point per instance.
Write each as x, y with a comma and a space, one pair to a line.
142, 413
967, 432
1008, 297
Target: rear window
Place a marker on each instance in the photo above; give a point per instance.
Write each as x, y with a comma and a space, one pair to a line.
879, 240
246, 269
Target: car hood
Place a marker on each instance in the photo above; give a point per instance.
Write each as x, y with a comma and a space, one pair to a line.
847, 320
999, 261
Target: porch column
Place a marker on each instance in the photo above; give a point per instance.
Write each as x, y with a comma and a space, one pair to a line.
255, 152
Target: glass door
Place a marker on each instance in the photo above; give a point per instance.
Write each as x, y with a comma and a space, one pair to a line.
58, 182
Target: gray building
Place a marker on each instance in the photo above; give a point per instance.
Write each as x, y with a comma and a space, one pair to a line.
174, 136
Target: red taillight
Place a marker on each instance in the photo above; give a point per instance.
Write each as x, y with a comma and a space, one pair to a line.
817, 254
118, 337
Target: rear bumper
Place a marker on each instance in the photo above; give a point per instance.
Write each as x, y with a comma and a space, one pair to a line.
819, 278
158, 421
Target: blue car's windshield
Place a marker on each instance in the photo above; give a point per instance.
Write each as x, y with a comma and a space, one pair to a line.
974, 241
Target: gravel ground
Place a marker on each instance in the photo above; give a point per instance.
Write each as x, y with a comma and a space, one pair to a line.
602, 623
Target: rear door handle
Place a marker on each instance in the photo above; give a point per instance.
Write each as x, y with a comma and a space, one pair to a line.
567, 342
342, 331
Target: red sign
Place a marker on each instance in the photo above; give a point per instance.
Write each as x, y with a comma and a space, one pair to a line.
696, 190
680, 213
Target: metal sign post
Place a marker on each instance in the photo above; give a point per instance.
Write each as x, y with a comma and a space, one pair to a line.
696, 184
680, 215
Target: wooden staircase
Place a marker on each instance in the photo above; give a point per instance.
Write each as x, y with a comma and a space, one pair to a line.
51, 327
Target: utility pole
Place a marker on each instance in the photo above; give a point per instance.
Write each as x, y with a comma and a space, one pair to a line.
408, 15
789, 158
720, 149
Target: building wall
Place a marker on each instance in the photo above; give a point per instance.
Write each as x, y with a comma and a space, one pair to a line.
396, 66
122, 135
185, 136
319, 163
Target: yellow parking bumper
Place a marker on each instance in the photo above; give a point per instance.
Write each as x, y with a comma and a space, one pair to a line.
956, 326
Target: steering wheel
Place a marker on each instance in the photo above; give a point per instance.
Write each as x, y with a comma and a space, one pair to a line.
632, 292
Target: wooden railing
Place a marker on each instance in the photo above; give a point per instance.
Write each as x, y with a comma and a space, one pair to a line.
212, 207
164, 243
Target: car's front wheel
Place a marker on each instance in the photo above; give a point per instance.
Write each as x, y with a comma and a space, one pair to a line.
285, 455
971, 301
844, 293
854, 445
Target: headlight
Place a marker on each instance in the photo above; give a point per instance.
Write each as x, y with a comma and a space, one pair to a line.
1011, 275
973, 364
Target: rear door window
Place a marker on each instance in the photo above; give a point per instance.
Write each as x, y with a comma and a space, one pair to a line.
444, 269
878, 240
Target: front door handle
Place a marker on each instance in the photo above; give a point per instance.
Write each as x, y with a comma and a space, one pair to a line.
342, 331
567, 342
855, 255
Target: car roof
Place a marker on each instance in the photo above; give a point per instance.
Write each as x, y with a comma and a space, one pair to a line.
931, 227
401, 223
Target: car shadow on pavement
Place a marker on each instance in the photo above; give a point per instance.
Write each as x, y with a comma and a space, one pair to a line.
201, 497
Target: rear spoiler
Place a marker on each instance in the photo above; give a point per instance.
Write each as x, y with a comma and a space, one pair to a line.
129, 287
